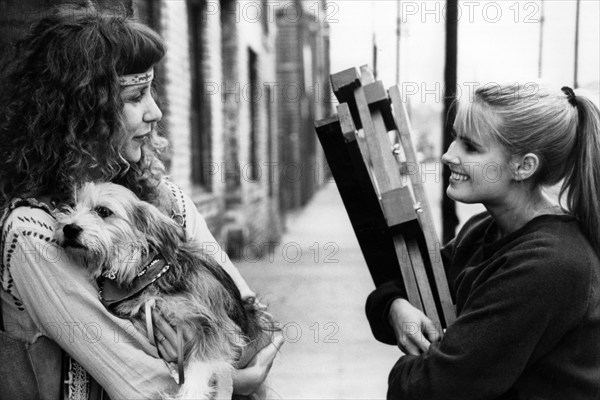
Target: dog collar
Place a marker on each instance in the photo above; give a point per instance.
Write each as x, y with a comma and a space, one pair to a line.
112, 294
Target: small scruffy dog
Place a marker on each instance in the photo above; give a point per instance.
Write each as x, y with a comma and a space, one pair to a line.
123, 239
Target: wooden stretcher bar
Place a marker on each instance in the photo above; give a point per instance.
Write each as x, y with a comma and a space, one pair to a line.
391, 219
358, 148
360, 201
423, 210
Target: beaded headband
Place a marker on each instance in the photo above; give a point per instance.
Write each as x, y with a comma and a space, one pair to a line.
570, 95
136, 79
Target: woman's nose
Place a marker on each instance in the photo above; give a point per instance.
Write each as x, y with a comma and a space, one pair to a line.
153, 113
450, 157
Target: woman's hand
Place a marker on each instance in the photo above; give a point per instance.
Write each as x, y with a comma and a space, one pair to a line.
166, 337
413, 329
246, 381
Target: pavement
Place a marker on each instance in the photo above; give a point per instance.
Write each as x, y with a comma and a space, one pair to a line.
315, 282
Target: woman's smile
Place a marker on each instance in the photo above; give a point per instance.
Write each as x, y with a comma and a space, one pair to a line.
142, 138
458, 177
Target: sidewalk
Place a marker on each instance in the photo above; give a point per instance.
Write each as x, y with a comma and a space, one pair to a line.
316, 283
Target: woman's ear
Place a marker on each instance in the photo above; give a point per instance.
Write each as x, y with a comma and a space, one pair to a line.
525, 166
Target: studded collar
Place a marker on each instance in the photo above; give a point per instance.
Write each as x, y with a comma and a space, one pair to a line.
112, 294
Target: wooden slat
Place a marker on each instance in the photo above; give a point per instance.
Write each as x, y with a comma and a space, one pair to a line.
348, 79
424, 214
408, 274
366, 75
346, 123
397, 203
427, 296
384, 165
377, 98
397, 206
344, 84
353, 139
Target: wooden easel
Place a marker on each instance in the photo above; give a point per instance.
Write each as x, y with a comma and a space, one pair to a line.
391, 219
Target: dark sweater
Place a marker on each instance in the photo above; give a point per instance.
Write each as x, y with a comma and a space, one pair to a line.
528, 323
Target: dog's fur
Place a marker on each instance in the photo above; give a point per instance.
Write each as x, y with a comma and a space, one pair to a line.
111, 230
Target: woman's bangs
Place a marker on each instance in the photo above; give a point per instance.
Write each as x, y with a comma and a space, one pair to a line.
141, 49
464, 124
478, 120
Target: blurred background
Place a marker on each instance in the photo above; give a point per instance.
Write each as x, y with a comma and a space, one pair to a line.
240, 88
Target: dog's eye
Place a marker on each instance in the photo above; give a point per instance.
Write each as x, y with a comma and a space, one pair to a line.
103, 212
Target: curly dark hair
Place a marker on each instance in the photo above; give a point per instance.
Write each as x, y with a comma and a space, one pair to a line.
60, 106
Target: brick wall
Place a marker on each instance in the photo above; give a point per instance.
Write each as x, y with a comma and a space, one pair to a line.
245, 211
303, 75
175, 30
252, 206
174, 27
212, 204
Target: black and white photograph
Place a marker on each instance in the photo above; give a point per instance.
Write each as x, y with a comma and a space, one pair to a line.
299, 200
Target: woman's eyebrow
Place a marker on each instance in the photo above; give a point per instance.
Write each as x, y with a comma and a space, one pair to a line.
464, 138
470, 141
135, 89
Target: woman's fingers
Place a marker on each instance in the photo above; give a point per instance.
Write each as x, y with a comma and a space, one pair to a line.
167, 351
421, 343
413, 344
411, 339
166, 337
431, 331
166, 342
266, 355
413, 329
269, 353
248, 379
408, 347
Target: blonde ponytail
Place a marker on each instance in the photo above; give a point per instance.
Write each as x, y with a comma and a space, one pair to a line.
582, 178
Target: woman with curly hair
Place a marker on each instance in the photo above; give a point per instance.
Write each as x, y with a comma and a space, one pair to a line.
77, 106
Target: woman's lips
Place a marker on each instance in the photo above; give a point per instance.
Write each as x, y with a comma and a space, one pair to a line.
458, 177
141, 138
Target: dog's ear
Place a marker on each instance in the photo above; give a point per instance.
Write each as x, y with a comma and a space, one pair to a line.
162, 233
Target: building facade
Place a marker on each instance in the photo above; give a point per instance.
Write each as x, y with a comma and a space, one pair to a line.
244, 81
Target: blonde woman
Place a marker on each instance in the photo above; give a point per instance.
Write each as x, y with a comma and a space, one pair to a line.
525, 274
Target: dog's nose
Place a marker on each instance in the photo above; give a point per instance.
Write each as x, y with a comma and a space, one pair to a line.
71, 231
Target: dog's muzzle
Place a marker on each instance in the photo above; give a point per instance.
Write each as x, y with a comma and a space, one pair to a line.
71, 233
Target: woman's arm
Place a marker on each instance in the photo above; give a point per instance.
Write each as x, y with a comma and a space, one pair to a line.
510, 320
384, 314
378, 307
63, 303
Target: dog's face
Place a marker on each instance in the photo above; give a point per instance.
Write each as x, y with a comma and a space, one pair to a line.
113, 231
